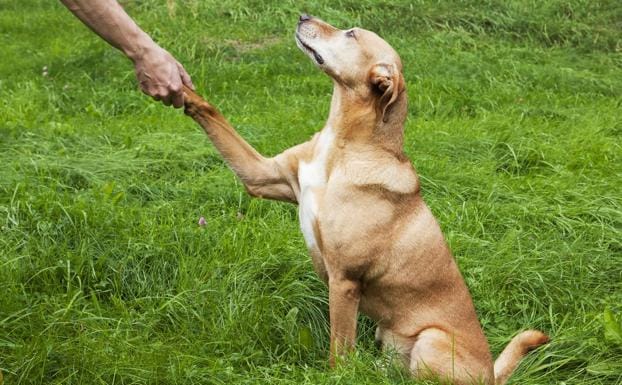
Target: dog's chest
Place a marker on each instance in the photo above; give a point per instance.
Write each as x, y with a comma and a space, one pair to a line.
312, 178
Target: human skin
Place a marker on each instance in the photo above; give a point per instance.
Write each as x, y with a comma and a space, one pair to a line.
159, 74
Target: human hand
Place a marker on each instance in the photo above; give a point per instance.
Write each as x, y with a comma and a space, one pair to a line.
161, 76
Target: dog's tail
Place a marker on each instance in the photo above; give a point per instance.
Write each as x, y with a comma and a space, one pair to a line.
513, 353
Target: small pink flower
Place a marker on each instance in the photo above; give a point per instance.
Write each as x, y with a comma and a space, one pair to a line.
202, 221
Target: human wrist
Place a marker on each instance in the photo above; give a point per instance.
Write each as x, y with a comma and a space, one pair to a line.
139, 46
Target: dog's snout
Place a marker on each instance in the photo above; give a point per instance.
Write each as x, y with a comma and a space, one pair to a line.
304, 17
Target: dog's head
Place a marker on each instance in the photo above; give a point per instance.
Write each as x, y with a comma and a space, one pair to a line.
355, 58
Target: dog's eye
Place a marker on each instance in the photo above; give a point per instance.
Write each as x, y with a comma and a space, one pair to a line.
350, 33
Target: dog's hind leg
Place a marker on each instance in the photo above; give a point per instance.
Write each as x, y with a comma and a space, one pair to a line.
394, 344
437, 355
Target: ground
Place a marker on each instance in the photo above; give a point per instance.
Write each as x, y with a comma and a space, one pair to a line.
106, 278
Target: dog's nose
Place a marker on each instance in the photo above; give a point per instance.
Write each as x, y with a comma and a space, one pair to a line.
304, 17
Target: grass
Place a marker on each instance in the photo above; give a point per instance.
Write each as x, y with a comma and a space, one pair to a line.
515, 128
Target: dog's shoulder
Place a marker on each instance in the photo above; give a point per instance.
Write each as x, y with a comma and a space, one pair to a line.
380, 169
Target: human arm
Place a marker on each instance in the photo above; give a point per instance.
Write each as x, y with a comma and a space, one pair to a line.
159, 74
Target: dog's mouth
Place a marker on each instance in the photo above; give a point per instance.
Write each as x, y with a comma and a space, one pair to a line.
305, 47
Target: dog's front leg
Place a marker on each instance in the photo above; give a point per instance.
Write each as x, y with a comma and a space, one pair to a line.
343, 301
271, 178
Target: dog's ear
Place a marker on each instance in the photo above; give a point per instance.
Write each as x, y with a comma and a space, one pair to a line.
387, 82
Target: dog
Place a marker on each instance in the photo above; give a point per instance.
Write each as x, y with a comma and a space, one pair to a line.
371, 236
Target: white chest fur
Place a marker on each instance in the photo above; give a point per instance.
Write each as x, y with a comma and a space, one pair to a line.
312, 179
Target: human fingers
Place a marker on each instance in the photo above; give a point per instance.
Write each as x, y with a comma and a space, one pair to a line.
167, 99
185, 78
177, 97
176, 86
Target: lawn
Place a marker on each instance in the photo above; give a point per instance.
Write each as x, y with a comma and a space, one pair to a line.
515, 127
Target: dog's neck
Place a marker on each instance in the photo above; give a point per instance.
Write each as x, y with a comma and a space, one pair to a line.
356, 118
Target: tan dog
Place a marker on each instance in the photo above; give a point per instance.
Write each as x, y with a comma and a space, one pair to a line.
369, 232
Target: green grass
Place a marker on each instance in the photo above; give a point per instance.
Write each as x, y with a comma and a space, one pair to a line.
515, 128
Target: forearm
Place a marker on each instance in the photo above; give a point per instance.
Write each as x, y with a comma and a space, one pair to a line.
159, 74
108, 19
